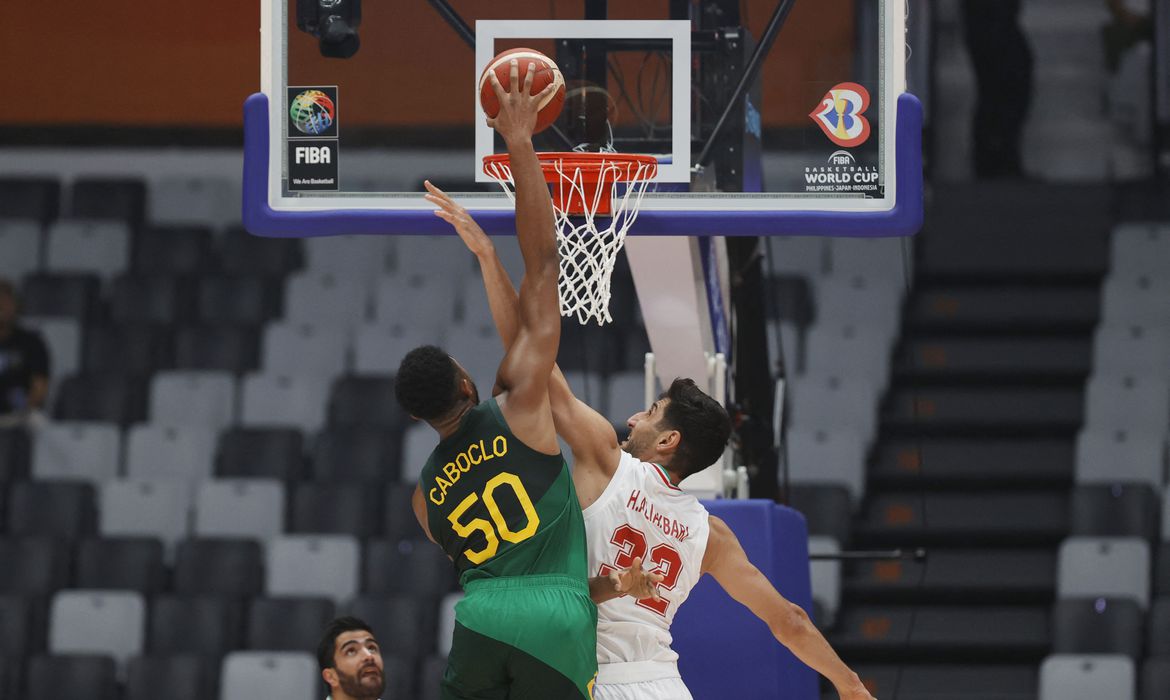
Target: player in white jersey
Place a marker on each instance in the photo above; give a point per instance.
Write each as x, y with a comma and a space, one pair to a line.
634, 511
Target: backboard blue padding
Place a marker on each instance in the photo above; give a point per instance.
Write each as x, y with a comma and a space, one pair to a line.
903, 220
724, 650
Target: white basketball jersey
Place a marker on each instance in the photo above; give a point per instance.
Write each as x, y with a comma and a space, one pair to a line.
640, 514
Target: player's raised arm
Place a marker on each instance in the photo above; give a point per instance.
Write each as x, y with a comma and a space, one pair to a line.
727, 562
524, 371
590, 435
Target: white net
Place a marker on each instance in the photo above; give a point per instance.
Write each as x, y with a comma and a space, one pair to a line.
589, 240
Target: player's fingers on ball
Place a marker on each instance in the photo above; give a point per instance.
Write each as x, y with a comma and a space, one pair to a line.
548, 90
513, 75
636, 563
496, 86
528, 76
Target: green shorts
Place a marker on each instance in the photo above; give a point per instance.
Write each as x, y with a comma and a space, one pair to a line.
523, 638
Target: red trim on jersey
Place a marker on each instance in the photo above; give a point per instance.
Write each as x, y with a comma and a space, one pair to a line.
664, 476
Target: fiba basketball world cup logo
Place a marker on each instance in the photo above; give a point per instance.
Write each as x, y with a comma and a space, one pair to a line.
312, 112
841, 115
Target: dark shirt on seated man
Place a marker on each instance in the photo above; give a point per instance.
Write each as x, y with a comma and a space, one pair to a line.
24, 365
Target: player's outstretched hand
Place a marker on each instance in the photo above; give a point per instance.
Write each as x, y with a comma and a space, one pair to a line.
448, 210
518, 106
636, 581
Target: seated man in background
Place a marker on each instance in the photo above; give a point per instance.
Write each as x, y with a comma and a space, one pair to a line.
24, 364
351, 661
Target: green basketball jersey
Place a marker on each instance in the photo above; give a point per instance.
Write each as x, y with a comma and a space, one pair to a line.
499, 508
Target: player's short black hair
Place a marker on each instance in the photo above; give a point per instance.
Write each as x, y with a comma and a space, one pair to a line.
703, 424
333, 630
427, 382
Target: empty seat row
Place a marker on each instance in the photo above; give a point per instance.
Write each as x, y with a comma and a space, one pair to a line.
170, 509
1096, 676
125, 624
240, 675
335, 567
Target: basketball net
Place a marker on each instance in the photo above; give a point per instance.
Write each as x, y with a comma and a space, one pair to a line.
593, 216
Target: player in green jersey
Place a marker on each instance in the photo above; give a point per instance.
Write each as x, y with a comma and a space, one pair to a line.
496, 493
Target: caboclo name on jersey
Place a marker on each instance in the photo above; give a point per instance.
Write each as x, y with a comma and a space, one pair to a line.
473, 455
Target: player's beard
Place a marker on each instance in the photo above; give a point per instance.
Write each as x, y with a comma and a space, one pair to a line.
362, 686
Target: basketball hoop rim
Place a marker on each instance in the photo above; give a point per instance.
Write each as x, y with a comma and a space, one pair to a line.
630, 166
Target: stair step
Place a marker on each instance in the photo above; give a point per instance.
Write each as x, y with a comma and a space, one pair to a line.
1005, 308
972, 462
949, 681
936, 632
957, 576
1011, 518
983, 410
979, 358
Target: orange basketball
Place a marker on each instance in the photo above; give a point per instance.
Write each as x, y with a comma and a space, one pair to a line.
546, 73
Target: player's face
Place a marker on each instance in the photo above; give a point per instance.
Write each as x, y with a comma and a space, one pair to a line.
644, 430
358, 662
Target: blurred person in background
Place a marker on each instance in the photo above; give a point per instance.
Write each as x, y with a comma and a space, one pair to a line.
1002, 61
24, 365
351, 661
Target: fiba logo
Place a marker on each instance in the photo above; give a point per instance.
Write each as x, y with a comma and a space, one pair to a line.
312, 112
842, 158
841, 115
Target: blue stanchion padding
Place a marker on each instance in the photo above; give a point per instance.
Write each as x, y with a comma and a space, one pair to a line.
724, 650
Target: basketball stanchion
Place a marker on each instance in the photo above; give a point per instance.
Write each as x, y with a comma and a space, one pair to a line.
593, 216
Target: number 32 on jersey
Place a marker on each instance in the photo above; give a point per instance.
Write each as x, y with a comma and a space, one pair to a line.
631, 544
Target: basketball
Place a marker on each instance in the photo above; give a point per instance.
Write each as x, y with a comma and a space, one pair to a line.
546, 72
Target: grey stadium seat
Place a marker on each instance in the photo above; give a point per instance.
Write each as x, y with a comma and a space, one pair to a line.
404, 627
1155, 683
244, 254
91, 246
240, 508
1097, 626
323, 566
417, 568
196, 398
361, 257
185, 676
174, 250
1115, 510
336, 509
20, 248
305, 348
1116, 567
63, 338
205, 625
1139, 247
293, 401
827, 456
418, 301
219, 567
1116, 455
834, 402
1120, 348
1087, 677
1159, 628
72, 295
34, 198
77, 451
33, 565
65, 509
1135, 299
246, 675
366, 401
316, 297
880, 258
177, 450
848, 349
273, 453
159, 508
225, 348
109, 198
88, 676
379, 348
194, 199
1139, 403
287, 624
361, 454
236, 300
806, 256
98, 622
122, 563
107, 397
